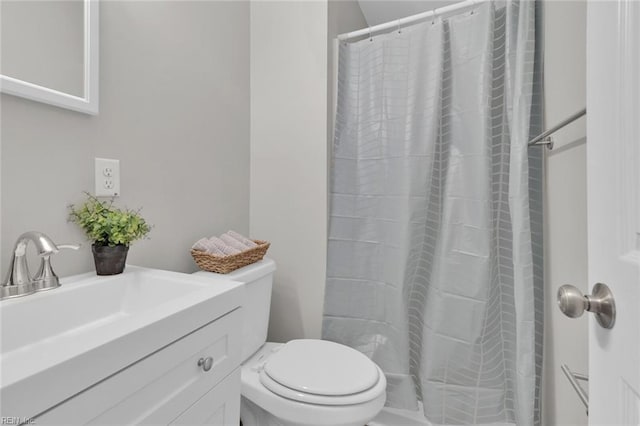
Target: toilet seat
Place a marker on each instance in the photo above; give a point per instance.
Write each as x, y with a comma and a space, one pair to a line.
293, 412
321, 372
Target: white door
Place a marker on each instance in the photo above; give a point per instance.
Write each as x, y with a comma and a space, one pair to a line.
613, 193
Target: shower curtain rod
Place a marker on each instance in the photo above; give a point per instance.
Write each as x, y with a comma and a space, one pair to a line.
398, 23
543, 139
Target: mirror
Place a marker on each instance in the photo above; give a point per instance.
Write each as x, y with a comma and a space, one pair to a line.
49, 52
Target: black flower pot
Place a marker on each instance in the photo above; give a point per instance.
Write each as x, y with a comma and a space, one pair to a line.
109, 260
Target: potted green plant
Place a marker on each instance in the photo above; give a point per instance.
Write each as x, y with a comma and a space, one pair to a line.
111, 229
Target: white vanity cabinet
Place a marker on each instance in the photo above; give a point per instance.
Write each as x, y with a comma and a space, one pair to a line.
168, 386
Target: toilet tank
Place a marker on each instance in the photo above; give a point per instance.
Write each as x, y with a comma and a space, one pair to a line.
258, 280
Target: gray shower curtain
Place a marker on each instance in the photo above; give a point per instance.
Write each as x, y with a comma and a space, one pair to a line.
434, 252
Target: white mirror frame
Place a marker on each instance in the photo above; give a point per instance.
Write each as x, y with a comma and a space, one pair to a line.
88, 103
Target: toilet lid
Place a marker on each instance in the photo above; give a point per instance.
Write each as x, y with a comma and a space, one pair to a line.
319, 367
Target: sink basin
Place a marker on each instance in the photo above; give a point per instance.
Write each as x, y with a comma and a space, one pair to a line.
93, 326
86, 303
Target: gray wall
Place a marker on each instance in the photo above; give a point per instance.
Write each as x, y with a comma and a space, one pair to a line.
565, 192
291, 102
174, 108
288, 157
378, 12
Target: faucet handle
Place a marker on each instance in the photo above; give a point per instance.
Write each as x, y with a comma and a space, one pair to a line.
45, 278
69, 246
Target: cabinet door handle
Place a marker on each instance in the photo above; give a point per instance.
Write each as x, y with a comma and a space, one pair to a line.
205, 363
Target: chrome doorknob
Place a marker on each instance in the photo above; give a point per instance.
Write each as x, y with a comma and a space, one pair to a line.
573, 303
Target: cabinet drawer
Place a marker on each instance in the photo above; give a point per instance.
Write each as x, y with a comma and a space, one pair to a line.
159, 387
218, 407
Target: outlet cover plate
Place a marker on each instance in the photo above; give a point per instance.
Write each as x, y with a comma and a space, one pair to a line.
107, 177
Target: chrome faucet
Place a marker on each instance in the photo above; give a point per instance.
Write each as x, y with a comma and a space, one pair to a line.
18, 281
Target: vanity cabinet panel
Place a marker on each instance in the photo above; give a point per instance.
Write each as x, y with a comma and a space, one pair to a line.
163, 385
218, 407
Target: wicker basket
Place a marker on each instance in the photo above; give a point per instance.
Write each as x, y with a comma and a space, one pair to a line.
226, 264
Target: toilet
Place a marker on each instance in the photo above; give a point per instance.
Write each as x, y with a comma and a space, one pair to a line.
305, 382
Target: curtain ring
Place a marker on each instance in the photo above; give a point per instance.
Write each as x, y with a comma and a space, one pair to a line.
433, 17
370, 36
399, 30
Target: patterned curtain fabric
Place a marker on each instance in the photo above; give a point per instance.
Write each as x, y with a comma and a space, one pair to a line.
435, 234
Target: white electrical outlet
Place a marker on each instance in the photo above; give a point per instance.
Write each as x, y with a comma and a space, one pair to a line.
107, 177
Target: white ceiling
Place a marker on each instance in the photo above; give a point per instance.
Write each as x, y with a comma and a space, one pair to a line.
379, 11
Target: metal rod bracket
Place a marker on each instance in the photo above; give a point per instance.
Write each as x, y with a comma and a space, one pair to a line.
573, 379
546, 133
548, 141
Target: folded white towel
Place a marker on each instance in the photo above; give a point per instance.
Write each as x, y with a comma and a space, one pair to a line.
201, 244
205, 245
232, 242
222, 246
213, 249
244, 240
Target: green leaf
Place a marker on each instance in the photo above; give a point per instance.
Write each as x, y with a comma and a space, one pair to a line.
106, 224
